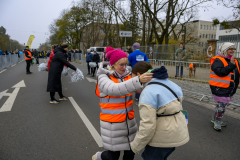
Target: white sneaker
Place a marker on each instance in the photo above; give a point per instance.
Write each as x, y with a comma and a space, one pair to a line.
94, 157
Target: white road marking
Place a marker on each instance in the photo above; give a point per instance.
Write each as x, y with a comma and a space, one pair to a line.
7, 106
3, 71
91, 80
88, 124
13, 65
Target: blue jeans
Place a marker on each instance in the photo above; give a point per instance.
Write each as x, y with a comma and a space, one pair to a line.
156, 153
177, 71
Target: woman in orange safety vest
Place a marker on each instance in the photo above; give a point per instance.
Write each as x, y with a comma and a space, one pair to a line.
115, 87
224, 80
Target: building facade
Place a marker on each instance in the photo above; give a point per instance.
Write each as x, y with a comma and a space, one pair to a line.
198, 31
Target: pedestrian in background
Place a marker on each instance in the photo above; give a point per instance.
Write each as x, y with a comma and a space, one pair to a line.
69, 54
35, 53
224, 81
96, 59
163, 126
55, 72
89, 57
133, 58
1, 53
118, 125
28, 59
180, 55
129, 50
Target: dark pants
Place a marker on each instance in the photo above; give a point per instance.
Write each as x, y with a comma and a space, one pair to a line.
177, 71
137, 96
28, 65
89, 68
69, 58
156, 153
93, 70
114, 155
52, 95
37, 60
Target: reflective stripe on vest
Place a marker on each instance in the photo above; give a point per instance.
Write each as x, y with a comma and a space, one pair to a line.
222, 82
116, 109
115, 100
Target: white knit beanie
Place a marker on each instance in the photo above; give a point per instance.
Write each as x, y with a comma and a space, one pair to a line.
224, 47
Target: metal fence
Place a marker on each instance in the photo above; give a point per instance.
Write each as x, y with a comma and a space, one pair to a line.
8, 60
77, 57
193, 85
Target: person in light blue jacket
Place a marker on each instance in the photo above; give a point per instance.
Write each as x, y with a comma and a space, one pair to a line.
1, 53
163, 125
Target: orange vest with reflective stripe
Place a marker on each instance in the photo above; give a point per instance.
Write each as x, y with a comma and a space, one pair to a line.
116, 109
29, 54
191, 65
223, 82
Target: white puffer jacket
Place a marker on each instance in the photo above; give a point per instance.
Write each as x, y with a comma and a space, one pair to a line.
117, 136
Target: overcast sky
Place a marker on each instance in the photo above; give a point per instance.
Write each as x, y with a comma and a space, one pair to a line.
23, 18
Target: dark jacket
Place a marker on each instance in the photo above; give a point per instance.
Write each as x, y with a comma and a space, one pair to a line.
96, 58
219, 69
55, 70
129, 50
89, 57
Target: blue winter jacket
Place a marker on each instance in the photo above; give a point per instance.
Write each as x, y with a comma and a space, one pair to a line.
1, 53
89, 57
137, 56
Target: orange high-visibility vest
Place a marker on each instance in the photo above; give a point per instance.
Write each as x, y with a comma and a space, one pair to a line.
191, 65
29, 54
223, 82
116, 109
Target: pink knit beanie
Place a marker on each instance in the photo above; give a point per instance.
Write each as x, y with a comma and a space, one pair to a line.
115, 55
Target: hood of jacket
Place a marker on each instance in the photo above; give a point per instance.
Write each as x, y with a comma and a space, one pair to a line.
59, 49
102, 70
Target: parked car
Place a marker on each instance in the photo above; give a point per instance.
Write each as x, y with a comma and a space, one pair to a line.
99, 50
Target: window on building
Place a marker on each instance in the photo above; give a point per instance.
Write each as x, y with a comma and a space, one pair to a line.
209, 36
201, 26
212, 35
207, 27
204, 27
210, 27
200, 36
203, 36
206, 35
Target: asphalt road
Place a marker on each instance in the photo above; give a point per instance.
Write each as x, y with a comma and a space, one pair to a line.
37, 130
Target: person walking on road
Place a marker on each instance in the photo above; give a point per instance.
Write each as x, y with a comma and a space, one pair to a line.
134, 57
224, 81
163, 126
96, 59
180, 55
115, 87
28, 59
55, 71
89, 57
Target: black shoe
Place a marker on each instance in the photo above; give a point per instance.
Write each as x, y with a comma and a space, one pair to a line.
29, 72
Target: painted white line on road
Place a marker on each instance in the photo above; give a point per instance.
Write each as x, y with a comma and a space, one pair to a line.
91, 80
3, 71
7, 106
13, 65
88, 124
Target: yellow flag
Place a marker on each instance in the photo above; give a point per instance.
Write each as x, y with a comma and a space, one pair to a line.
29, 43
